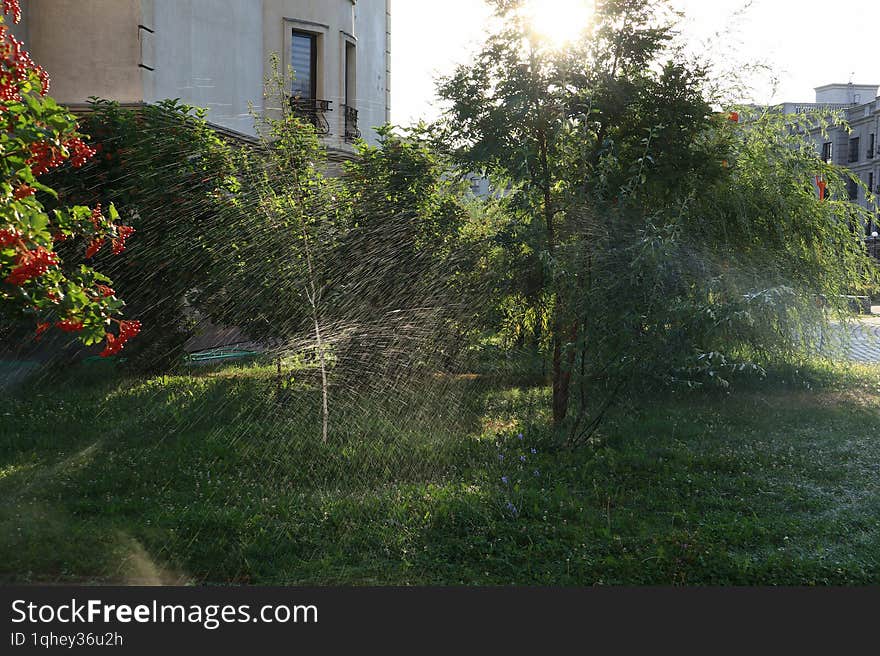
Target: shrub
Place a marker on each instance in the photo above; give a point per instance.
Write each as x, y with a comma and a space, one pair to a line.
38, 136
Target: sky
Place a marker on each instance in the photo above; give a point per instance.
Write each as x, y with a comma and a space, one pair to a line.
803, 43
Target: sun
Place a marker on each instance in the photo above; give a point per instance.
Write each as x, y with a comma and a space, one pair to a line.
559, 21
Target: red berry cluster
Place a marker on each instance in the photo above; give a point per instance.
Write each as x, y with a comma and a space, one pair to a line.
80, 152
16, 67
94, 247
32, 264
12, 7
41, 328
24, 191
9, 237
69, 326
97, 216
123, 232
44, 157
105, 291
127, 331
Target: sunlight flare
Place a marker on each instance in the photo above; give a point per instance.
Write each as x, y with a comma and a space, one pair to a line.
559, 21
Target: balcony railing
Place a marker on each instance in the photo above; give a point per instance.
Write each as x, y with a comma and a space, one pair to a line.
351, 124
313, 111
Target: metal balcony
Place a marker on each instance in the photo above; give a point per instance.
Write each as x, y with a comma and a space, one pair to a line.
351, 124
312, 111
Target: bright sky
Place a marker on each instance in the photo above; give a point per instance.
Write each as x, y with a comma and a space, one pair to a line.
805, 44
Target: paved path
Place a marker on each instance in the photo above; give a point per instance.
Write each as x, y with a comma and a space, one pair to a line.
863, 343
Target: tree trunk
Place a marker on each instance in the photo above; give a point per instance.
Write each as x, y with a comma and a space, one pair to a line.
325, 401
562, 369
312, 295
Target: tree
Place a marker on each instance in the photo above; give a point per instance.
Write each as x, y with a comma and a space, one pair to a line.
658, 241
38, 136
272, 265
573, 128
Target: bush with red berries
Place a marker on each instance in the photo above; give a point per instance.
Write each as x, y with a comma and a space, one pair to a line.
38, 137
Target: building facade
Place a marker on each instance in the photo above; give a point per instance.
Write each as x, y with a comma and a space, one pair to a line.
216, 54
857, 147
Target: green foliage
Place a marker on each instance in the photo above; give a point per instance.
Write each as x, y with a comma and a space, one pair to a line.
646, 236
404, 215
739, 276
577, 131
171, 177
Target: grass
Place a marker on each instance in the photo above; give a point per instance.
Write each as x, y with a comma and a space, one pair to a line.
221, 477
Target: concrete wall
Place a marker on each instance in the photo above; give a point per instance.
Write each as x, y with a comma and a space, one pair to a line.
208, 53
372, 25
864, 121
89, 48
850, 94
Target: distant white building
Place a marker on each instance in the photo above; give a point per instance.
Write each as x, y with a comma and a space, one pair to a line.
479, 185
215, 54
859, 149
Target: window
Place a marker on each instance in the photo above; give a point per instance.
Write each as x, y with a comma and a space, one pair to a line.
852, 189
827, 151
872, 145
854, 146
350, 74
350, 116
869, 229
304, 61
304, 102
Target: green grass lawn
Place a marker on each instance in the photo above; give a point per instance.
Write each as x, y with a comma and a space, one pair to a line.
222, 477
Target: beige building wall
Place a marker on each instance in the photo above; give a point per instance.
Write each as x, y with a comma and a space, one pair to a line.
213, 54
90, 48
